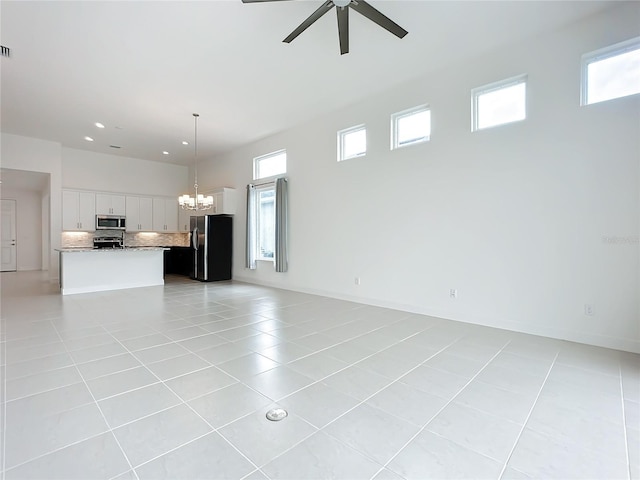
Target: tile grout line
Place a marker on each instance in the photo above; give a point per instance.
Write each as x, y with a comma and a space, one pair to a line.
313, 383
126, 457
183, 402
356, 405
293, 342
423, 428
77, 442
526, 420
624, 423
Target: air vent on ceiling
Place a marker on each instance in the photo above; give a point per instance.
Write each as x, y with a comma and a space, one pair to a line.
115, 146
5, 51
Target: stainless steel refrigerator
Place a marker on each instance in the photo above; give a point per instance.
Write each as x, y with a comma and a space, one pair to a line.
211, 239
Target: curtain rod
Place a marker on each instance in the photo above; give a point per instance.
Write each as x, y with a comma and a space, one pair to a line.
268, 183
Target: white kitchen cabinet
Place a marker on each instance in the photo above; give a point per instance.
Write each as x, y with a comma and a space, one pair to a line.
165, 214
139, 211
224, 201
184, 219
78, 211
108, 204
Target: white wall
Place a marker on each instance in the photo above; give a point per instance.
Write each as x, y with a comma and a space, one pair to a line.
28, 227
97, 171
35, 155
515, 218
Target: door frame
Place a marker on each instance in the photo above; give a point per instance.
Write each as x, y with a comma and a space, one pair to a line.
12, 211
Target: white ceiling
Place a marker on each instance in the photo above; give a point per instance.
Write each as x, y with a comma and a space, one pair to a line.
146, 66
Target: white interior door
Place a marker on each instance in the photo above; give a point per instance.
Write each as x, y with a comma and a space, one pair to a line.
8, 248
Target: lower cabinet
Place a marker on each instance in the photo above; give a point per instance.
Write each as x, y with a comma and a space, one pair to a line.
178, 261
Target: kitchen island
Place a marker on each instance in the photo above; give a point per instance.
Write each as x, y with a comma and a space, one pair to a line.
84, 270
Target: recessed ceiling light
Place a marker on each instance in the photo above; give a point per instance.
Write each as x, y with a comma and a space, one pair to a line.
99, 125
88, 139
184, 142
165, 153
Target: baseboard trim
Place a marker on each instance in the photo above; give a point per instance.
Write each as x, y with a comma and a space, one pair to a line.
614, 343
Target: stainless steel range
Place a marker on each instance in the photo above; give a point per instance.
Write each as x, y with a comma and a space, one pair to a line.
108, 242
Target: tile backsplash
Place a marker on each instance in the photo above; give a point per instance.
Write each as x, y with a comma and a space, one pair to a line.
151, 239
141, 239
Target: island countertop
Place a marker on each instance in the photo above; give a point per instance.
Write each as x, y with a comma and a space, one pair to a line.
105, 250
84, 270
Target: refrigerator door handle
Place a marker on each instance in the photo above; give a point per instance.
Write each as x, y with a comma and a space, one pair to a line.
194, 238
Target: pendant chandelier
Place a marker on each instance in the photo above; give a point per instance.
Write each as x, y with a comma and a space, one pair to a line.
198, 201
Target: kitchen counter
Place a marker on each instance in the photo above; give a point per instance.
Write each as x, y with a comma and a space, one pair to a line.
107, 250
84, 270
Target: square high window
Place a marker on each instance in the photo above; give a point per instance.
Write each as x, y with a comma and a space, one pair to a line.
352, 143
499, 103
410, 127
611, 72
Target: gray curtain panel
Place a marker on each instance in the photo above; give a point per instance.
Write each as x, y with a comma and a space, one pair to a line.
282, 225
250, 257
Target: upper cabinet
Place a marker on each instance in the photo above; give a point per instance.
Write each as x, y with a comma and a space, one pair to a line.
78, 211
108, 204
139, 211
165, 214
224, 201
184, 218
144, 214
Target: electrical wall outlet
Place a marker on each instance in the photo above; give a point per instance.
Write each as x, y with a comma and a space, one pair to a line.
588, 309
453, 293
357, 280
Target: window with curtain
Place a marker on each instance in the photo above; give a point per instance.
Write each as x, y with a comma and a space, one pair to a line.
267, 224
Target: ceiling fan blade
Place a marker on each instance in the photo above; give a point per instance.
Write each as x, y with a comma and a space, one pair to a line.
374, 15
260, 1
324, 8
343, 29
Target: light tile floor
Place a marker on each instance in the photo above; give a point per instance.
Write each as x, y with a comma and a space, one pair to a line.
175, 381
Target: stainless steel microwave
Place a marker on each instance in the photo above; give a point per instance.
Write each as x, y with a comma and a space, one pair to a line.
110, 222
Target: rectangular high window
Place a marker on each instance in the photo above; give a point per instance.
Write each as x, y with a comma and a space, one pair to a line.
270, 165
611, 72
410, 127
499, 103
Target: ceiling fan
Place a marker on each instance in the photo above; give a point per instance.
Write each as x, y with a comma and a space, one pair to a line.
342, 9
